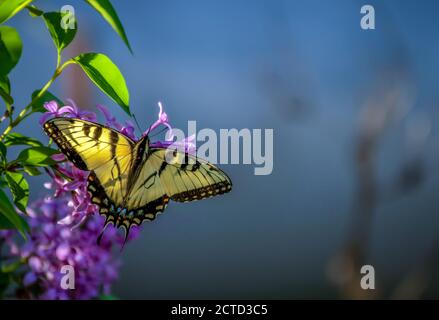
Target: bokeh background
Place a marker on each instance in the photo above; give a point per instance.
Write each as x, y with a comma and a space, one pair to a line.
356, 144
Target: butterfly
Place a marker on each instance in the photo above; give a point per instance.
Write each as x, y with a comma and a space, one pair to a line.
130, 181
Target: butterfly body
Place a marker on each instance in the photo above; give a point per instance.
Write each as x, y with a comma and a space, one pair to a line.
131, 181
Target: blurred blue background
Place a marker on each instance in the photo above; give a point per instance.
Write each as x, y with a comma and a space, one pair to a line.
329, 89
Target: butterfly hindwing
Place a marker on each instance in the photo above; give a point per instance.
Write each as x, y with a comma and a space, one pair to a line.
124, 216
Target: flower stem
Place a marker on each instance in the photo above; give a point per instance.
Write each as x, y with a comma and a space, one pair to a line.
58, 58
25, 112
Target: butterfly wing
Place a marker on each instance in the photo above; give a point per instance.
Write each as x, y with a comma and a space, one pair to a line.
93, 147
161, 179
146, 197
185, 177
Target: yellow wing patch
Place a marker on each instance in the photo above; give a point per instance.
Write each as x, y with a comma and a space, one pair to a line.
187, 178
93, 147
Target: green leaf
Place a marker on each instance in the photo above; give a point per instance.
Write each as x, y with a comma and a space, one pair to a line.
38, 105
37, 156
106, 10
19, 188
5, 84
19, 139
10, 49
9, 8
32, 171
3, 183
10, 214
61, 36
3, 150
5, 89
11, 267
34, 11
5, 224
106, 75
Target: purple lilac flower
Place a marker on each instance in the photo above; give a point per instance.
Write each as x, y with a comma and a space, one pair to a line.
186, 145
127, 129
76, 188
52, 245
162, 120
53, 110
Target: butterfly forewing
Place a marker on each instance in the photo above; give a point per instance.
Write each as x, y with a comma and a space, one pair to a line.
91, 146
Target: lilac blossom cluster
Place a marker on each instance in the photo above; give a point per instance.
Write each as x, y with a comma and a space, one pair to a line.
52, 245
65, 225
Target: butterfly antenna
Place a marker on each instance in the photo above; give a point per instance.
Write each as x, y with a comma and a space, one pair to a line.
147, 131
165, 128
137, 124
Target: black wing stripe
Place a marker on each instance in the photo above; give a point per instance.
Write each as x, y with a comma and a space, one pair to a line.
97, 133
86, 129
